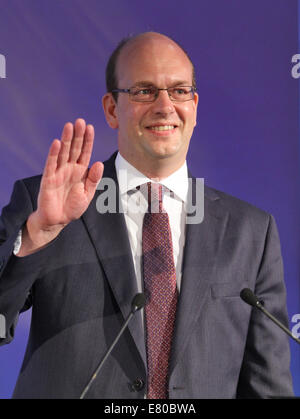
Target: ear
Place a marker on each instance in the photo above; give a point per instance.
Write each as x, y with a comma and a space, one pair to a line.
196, 100
109, 108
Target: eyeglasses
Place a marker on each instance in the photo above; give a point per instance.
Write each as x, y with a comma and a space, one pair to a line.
150, 94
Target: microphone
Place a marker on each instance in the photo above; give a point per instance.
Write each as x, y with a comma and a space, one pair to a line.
250, 298
138, 302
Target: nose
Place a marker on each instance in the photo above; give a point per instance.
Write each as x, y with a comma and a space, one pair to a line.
163, 104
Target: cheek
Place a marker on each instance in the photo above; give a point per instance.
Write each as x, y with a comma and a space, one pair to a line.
129, 119
187, 114
191, 116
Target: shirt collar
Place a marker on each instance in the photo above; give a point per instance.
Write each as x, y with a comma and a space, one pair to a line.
129, 178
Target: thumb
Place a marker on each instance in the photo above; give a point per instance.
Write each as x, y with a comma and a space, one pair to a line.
93, 178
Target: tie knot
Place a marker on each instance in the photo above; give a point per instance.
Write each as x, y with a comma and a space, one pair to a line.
154, 197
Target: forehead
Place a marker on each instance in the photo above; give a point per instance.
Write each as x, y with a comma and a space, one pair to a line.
157, 60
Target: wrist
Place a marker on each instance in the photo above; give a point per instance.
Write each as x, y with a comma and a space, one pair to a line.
39, 231
35, 236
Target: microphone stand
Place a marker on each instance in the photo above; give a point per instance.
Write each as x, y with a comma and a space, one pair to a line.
137, 303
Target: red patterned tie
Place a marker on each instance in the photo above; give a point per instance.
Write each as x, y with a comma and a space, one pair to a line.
161, 292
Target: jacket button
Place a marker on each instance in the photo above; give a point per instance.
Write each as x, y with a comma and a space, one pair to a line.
138, 384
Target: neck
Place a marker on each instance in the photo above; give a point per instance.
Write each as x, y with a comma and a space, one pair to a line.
157, 169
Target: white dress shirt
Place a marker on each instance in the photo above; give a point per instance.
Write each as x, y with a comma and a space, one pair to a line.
135, 205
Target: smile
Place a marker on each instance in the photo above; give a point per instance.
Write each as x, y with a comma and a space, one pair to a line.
162, 127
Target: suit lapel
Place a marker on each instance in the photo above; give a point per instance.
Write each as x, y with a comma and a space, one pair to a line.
108, 233
199, 266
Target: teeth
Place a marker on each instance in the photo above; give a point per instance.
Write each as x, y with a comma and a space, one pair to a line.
163, 127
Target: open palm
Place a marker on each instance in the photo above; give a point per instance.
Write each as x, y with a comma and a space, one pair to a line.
67, 185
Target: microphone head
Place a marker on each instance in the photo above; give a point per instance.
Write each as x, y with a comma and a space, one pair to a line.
249, 297
138, 302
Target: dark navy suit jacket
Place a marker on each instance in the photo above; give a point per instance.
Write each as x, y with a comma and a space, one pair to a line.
81, 285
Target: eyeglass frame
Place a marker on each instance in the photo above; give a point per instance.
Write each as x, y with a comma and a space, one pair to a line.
193, 90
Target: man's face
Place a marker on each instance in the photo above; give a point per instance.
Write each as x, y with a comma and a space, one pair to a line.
142, 141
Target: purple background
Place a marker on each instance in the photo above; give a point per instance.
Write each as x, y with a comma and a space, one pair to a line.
247, 138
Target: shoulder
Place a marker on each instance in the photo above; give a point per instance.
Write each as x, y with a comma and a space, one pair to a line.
238, 209
32, 185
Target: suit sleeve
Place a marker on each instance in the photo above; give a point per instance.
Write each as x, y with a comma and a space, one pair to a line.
266, 365
17, 275
13, 291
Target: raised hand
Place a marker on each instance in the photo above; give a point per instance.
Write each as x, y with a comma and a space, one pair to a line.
67, 186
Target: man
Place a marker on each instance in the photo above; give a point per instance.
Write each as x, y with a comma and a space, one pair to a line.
79, 269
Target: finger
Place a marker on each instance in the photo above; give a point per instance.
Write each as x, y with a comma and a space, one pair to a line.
95, 173
76, 145
51, 162
66, 139
87, 147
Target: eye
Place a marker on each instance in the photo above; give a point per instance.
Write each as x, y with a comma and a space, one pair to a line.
181, 91
145, 91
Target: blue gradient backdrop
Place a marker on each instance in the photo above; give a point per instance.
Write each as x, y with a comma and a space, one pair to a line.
247, 138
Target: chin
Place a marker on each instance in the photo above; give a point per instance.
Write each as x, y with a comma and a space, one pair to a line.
164, 151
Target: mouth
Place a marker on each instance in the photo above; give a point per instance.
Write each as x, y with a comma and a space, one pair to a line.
161, 129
